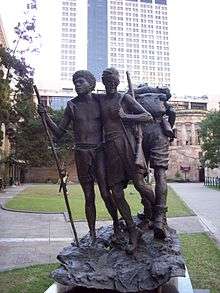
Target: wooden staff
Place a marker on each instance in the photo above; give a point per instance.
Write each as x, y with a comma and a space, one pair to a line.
59, 169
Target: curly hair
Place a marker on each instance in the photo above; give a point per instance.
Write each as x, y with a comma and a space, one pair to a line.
87, 75
111, 73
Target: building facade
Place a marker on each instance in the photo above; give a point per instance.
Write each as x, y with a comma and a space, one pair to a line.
73, 38
97, 50
185, 150
138, 40
131, 35
3, 41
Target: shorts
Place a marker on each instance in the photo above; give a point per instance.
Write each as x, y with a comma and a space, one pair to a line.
86, 163
155, 146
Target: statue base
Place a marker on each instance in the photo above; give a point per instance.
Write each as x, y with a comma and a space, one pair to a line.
106, 267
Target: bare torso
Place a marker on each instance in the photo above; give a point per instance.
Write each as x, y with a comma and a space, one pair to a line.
86, 120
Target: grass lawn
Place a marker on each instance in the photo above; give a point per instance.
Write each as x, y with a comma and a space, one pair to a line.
47, 198
214, 187
200, 252
203, 261
34, 279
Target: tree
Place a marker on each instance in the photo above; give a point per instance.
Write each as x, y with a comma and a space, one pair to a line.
32, 144
16, 77
17, 108
210, 136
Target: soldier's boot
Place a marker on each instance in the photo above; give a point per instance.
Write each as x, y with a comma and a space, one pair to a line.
160, 222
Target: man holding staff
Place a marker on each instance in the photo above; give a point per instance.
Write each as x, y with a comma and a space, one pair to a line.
84, 113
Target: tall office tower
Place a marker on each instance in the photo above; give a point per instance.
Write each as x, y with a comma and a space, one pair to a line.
127, 34
138, 39
97, 37
3, 41
73, 54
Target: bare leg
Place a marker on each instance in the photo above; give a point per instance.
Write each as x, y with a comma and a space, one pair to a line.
124, 209
104, 190
146, 193
90, 210
160, 203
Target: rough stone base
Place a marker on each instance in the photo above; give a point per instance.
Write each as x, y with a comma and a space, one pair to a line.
107, 266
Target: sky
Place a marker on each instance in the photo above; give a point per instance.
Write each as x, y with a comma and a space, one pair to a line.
193, 36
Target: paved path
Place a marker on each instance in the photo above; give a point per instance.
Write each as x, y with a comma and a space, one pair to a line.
30, 238
205, 202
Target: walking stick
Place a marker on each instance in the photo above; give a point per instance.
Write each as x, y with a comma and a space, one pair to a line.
59, 169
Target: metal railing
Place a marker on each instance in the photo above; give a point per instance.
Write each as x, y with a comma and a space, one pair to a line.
212, 181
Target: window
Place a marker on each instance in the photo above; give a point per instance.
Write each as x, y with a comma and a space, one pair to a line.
146, 1
163, 2
198, 106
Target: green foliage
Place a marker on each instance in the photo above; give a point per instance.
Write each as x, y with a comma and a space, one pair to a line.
15, 75
17, 109
210, 135
31, 144
31, 141
178, 175
65, 143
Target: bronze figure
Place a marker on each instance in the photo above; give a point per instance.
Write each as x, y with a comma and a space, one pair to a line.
120, 145
84, 113
155, 146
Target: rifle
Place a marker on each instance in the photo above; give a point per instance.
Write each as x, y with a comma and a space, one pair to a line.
139, 156
59, 169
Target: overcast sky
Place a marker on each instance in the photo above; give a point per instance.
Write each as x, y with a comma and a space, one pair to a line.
194, 42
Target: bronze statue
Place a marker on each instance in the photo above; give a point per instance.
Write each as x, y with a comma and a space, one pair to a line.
155, 146
84, 113
120, 145
114, 117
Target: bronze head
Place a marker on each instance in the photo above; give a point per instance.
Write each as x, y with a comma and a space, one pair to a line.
84, 82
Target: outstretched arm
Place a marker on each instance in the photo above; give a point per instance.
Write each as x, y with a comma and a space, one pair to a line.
57, 131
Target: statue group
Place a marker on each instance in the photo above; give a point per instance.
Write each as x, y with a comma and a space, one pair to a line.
117, 138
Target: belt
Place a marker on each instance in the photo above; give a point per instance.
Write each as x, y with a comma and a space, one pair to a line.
86, 146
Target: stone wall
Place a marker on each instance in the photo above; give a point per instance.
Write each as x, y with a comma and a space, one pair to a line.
49, 174
185, 151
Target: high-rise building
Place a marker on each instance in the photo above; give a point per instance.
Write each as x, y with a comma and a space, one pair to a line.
127, 34
73, 51
97, 36
130, 35
3, 41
